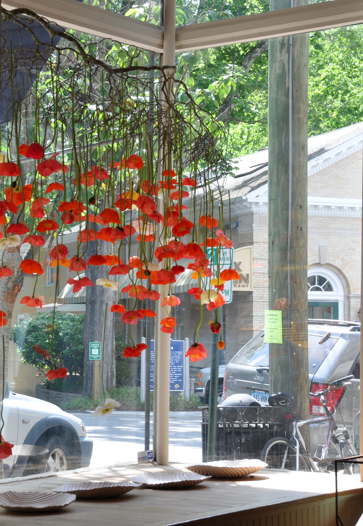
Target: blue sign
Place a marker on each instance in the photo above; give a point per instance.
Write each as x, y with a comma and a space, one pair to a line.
176, 365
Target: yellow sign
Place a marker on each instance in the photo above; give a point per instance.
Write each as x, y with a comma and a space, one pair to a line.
273, 326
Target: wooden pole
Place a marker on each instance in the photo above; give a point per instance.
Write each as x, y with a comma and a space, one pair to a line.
287, 186
96, 380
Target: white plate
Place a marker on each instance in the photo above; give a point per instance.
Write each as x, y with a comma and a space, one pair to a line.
227, 469
97, 490
169, 479
34, 501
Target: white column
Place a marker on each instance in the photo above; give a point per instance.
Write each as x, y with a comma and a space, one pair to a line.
162, 342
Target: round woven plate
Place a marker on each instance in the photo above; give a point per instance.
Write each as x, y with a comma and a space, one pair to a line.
97, 490
228, 469
169, 479
34, 501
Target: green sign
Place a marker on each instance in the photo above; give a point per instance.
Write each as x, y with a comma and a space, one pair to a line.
95, 350
273, 326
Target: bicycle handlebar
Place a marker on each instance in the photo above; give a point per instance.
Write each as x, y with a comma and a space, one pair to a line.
336, 383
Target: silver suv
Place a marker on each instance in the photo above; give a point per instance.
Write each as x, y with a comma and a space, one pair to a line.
334, 352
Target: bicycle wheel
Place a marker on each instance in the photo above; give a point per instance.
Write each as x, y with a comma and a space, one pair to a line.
278, 453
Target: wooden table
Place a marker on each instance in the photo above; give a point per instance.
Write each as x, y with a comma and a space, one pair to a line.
268, 498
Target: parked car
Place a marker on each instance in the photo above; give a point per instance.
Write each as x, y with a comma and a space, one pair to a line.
334, 352
203, 387
45, 437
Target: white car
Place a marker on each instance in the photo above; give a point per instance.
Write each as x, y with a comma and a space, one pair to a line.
45, 437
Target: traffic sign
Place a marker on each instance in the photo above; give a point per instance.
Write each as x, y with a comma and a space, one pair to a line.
225, 256
95, 351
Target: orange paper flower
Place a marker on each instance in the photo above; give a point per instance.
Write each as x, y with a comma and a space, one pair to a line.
196, 352
135, 351
30, 266
52, 374
30, 301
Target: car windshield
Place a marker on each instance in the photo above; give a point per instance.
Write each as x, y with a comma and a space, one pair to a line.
256, 352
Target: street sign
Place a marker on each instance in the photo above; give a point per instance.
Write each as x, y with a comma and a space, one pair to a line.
95, 350
225, 261
176, 365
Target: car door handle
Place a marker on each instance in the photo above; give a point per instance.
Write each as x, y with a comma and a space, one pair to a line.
25, 421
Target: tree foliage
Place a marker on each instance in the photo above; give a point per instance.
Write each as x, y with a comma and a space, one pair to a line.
67, 342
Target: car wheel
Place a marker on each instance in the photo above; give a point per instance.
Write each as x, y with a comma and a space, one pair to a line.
59, 456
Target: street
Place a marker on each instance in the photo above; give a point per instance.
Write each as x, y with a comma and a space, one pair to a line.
118, 438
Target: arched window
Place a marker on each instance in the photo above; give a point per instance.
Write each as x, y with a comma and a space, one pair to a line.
325, 295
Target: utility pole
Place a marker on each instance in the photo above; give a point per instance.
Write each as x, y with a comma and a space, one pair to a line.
287, 188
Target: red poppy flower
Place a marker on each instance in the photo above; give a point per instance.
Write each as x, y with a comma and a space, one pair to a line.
93, 219
177, 269
15, 195
71, 206
100, 173
182, 228
18, 228
170, 301
176, 208
214, 326
77, 264
178, 194
5, 448
118, 308
196, 352
169, 173
147, 312
34, 151
123, 203
229, 273
208, 221
152, 295
109, 215
97, 260
178, 247
156, 216
221, 345
35, 240
133, 290
210, 242
170, 184
223, 239
146, 204
112, 234
134, 161
131, 317
135, 351
86, 235
30, 301
68, 218
30, 266
52, 374
188, 181
86, 179
149, 188
164, 252
196, 292
78, 284
37, 211
168, 324
54, 186
119, 270
218, 302
5, 272
146, 239
172, 218
49, 167
193, 251
9, 169
3, 321
4, 206
60, 251
47, 225
112, 260
163, 277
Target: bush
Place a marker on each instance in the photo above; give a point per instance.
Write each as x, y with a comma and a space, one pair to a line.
67, 345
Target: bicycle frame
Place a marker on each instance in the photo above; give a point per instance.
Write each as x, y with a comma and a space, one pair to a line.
300, 439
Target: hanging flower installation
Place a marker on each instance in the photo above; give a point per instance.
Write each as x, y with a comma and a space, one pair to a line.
120, 163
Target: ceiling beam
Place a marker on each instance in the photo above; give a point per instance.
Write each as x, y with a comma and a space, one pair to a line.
95, 21
262, 26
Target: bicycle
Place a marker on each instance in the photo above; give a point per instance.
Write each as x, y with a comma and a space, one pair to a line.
292, 453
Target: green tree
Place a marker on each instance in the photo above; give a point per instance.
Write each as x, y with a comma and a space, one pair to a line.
67, 343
